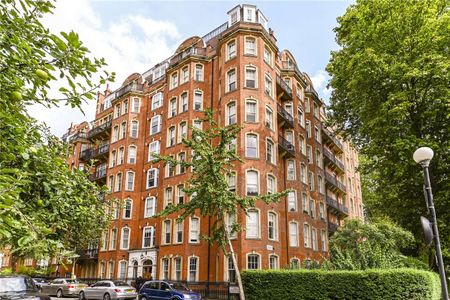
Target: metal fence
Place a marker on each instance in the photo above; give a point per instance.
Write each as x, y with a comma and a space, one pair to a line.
208, 290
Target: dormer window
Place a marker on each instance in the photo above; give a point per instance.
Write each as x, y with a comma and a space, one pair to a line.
234, 18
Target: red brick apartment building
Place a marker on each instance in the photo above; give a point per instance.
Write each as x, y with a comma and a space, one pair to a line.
239, 72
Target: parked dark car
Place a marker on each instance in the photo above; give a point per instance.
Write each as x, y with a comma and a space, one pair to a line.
14, 287
164, 290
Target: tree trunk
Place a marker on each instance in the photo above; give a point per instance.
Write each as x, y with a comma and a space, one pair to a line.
13, 263
236, 268
74, 263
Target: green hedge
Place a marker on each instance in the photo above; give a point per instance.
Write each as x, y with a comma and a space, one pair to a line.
320, 284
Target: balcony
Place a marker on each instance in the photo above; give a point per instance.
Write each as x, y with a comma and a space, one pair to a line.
190, 52
334, 184
284, 117
88, 254
86, 154
310, 90
130, 87
332, 161
284, 92
332, 227
100, 151
331, 141
100, 130
77, 137
98, 175
286, 147
337, 208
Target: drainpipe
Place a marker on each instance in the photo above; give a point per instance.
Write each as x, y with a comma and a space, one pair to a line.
209, 218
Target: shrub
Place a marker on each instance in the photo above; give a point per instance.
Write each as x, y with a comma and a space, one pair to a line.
319, 284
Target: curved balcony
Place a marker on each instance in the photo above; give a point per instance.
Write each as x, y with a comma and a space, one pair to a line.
284, 117
331, 141
284, 91
334, 184
77, 137
98, 175
332, 227
337, 208
100, 130
333, 162
286, 148
190, 52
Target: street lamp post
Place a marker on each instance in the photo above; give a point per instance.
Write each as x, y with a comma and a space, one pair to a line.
423, 157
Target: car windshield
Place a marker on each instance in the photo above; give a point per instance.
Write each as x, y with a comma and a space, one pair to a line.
179, 286
121, 283
16, 284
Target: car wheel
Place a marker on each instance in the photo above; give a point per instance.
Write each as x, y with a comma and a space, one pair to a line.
143, 298
106, 297
81, 296
59, 294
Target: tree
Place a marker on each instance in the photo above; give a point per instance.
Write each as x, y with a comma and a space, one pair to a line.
391, 92
212, 161
377, 245
42, 203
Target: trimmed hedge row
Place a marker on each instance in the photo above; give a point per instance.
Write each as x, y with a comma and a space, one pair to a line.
320, 284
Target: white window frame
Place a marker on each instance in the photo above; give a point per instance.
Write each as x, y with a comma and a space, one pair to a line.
155, 175
199, 76
247, 145
247, 182
257, 234
247, 111
248, 79
131, 159
194, 238
152, 236
174, 80
122, 240
231, 118
197, 264
230, 88
130, 178
247, 260
152, 208
154, 148
231, 54
292, 200
198, 100
275, 226
292, 242
157, 100
253, 51
158, 120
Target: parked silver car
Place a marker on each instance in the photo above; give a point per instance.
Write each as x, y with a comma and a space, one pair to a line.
108, 290
63, 287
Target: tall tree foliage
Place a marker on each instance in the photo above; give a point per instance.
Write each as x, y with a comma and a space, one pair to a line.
213, 159
391, 91
42, 203
378, 245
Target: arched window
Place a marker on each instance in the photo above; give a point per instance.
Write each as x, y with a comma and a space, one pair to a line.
198, 100
127, 208
251, 145
148, 237
152, 178
150, 207
272, 226
130, 181
252, 224
198, 76
132, 154
253, 262
231, 113
155, 125
134, 129
125, 240
252, 181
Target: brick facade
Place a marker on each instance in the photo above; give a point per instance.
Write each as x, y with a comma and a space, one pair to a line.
274, 101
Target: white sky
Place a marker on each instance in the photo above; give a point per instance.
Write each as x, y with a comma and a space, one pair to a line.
135, 35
